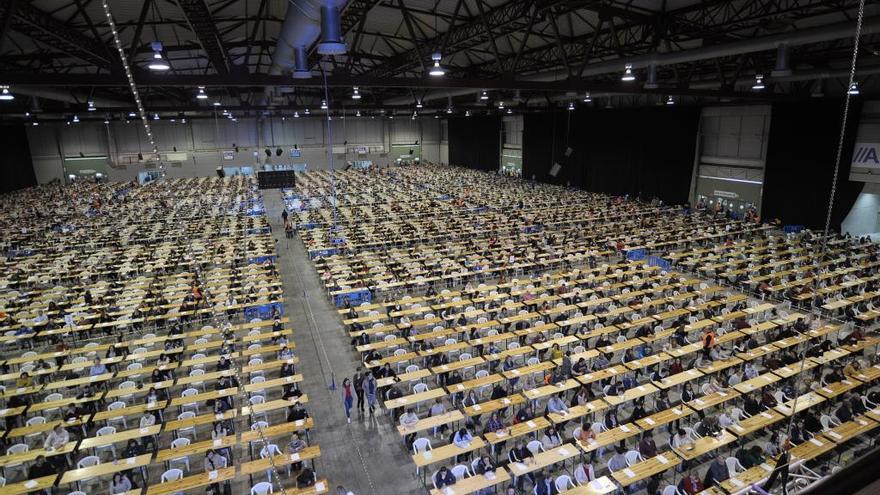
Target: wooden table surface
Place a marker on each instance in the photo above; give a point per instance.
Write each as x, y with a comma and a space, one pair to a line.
474, 483
647, 468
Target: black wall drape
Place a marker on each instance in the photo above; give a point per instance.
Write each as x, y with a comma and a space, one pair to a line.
18, 168
473, 142
646, 152
801, 149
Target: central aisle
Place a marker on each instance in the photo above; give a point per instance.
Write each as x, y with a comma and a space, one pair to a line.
366, 456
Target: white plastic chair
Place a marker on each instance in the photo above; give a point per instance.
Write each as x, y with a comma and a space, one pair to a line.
104, 431
733, 466
535, 447
19, 448
190, 405
633, 457
261, 488
171, 475
176, 444
117, 419
460, 471
563, 483
188, 429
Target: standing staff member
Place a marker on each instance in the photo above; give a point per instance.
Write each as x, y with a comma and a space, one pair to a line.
358, 382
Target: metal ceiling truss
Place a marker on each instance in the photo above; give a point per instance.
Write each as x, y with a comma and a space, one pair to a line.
203, 26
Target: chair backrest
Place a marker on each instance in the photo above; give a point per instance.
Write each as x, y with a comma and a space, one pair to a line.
106, 430
732, 465
563, 483
197, 372
421, 445
189, 392
134, 367
259, 425
179, 442
633, 457
669, 490
53, 397
779, 396
257, 399
116, 405
19, 448
412, 368
420, 387
482, 374
261, 488
88, 461
535, 446
460, 471
172, 475
186, 415
127, 385
826, 421
533, 361
36, 420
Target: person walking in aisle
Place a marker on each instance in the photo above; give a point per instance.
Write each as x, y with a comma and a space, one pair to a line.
358, 382
370, 388
347, 398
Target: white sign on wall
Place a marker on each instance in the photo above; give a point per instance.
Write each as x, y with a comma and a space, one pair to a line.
228, 155
725, 194
866, 155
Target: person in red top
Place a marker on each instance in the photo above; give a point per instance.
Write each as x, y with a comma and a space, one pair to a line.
708, 344
691, 484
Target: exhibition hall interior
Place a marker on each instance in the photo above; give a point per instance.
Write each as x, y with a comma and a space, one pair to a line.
439, 247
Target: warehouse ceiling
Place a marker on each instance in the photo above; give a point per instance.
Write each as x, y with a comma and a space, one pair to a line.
56, 55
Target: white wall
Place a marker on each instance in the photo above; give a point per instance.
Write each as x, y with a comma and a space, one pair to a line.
864, 217
204, 140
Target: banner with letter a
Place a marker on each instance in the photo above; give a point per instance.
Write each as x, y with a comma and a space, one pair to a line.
865, 165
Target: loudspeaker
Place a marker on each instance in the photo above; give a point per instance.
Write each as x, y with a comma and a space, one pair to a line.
220, 172
278, 152
568, 152
268, 152
555, 169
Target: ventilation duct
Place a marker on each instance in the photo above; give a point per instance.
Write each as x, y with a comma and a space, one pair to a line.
782, 69
301, 63
331, 31
651, 80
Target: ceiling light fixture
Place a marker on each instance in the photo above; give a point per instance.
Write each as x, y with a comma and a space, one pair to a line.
467, 113
358, 114
670, 100
436, 70
853, 89
571, 105
158, 63
75, 119
295, 114
509, 111
449, 110
155, 116
5, 95
323, 104
418, 104
356, 94
92, 106
628, 74
759, 82
201, 94
587, 98
484, 95
307, 112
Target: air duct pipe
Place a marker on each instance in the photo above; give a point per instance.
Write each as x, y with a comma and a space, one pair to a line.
331, 31
782, 69
794, 38
651, 79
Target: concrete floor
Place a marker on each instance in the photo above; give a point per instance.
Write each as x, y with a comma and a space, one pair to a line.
366, 456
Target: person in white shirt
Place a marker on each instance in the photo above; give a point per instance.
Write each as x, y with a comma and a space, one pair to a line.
57, 438
556, 405
408, 420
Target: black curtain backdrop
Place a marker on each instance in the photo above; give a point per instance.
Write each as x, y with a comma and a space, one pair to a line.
18, 168
473, 142
801, 151
644, 152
